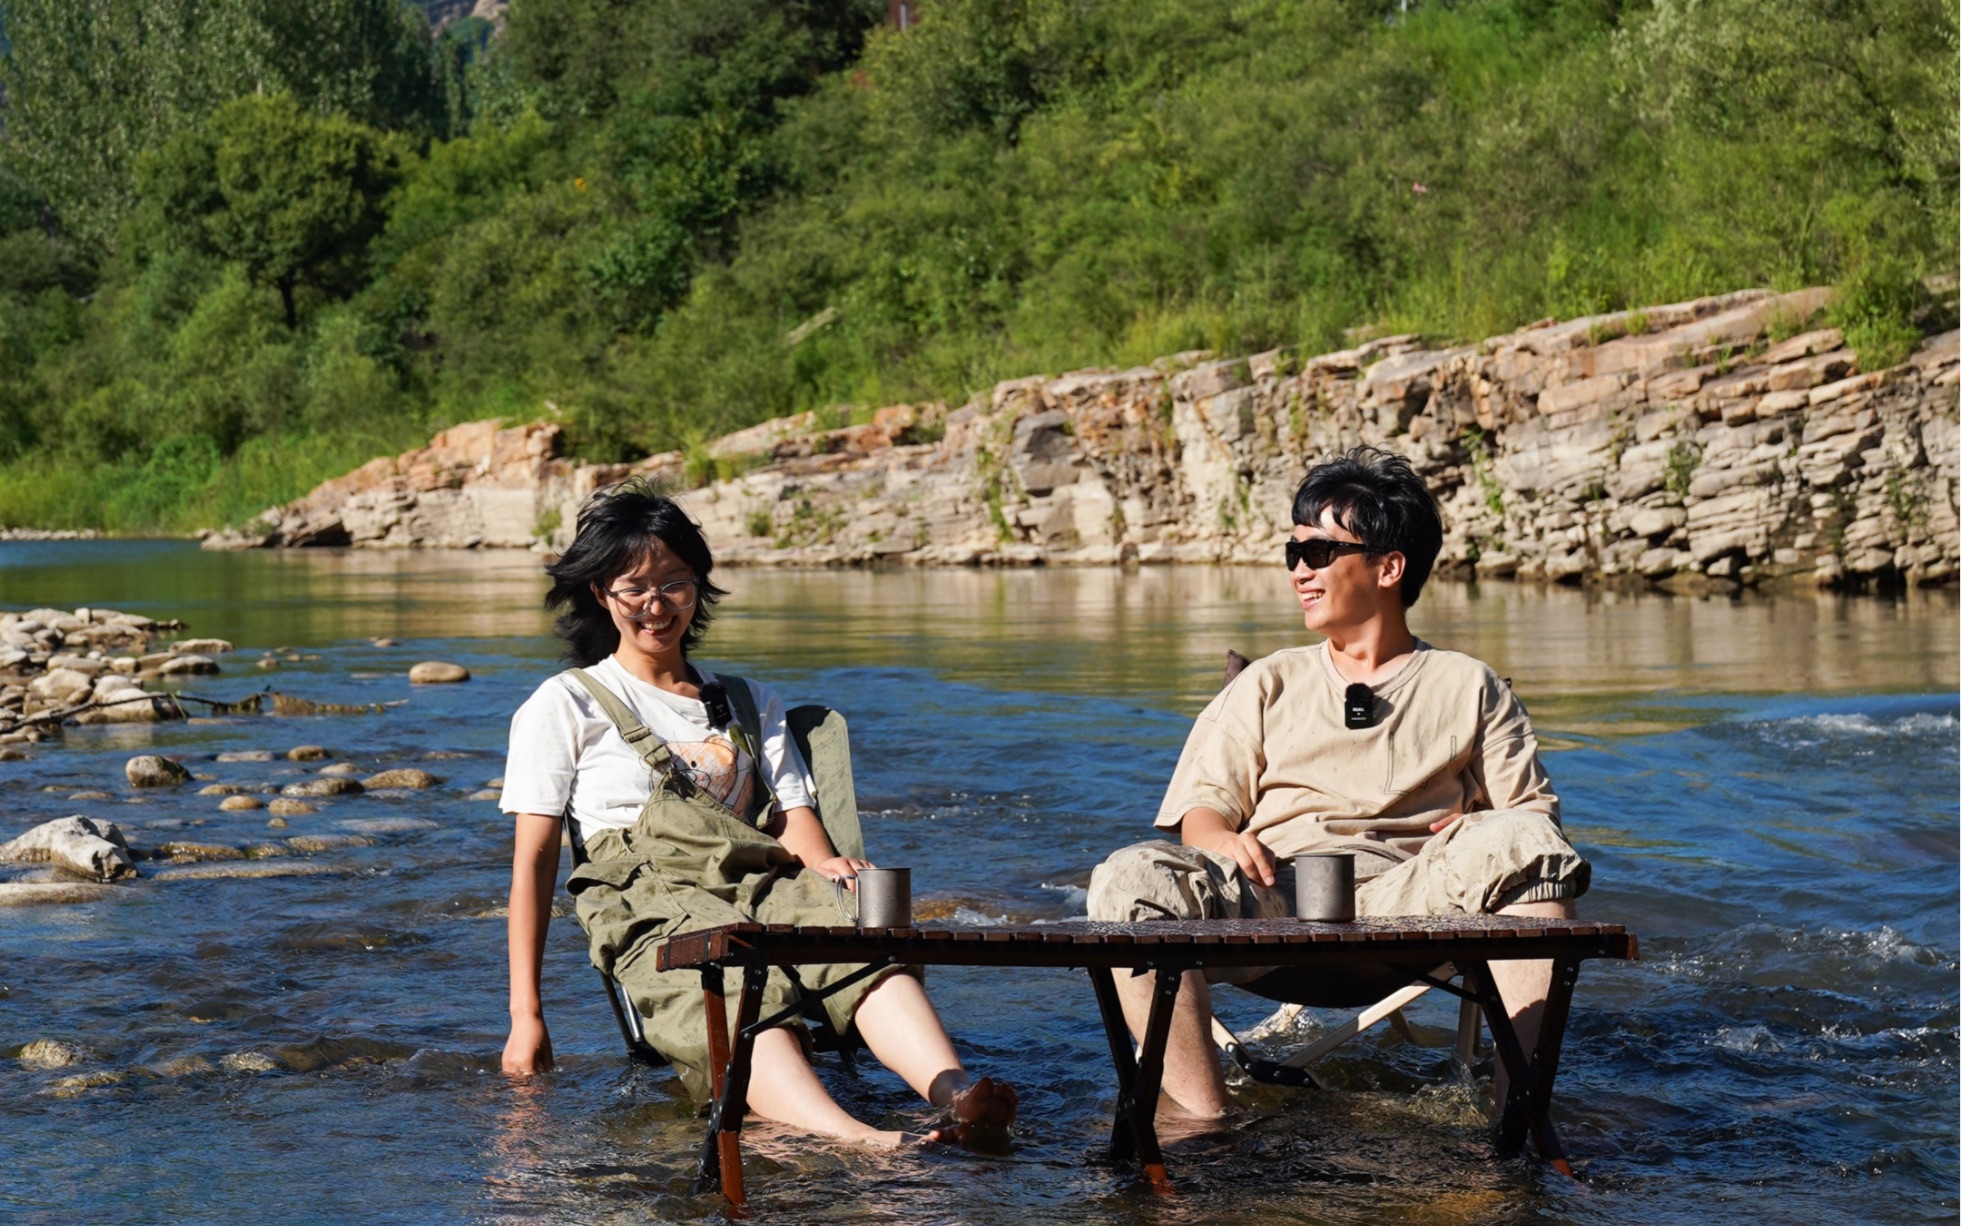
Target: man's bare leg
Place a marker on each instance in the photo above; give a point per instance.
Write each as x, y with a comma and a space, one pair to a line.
1523, 987
1193, 1079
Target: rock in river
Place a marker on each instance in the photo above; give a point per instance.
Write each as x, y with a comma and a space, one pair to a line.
322, 785
307, 753
406, 777
437, 672
283, 809
79, 844
238, 804
154, 771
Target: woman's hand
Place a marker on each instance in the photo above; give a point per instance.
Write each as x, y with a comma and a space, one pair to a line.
529, 1049
842, 868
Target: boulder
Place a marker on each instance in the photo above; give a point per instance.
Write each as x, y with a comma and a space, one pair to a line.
322, 785
405, 777
438, 672
77, 844
154, 771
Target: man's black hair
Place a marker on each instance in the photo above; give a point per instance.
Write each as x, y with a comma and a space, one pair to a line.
1378, 497
617, 526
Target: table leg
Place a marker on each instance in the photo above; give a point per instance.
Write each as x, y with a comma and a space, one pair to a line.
708, 1171
1150, 1075
731, 1087
1529, 1094
1117, 1031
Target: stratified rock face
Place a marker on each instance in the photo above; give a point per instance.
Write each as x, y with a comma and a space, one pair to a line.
1677, 445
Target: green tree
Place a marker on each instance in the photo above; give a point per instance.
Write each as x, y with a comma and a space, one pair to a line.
90, 85
292, 198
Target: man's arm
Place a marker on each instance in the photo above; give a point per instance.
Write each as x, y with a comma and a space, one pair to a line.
1209, 830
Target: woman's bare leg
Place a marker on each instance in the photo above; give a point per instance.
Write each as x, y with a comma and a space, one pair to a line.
903, 1030
783, 1087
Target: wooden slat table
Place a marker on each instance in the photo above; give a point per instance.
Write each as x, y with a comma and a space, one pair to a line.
1410, 945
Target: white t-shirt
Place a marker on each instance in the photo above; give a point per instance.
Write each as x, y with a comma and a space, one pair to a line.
566, 755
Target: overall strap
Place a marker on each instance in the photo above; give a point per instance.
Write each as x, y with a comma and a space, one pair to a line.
746, 730
637, 735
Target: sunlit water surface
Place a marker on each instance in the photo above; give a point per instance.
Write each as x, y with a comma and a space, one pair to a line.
1767, 788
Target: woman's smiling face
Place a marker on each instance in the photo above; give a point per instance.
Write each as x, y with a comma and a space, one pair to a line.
650, 626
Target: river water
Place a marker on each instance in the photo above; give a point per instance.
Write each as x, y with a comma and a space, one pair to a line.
1767, 788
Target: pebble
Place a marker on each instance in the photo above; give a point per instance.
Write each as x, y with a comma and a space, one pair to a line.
331, 785
278, 823
151, 770
438, 672
308, 753
283, 808
340, 768
240, 804
406, 777
246, 755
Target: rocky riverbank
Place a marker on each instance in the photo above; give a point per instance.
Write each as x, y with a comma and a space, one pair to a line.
1723, 441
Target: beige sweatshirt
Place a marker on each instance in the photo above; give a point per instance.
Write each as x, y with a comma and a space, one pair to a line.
1271, 753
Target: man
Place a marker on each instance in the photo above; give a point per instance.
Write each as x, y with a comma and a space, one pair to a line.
1434, 782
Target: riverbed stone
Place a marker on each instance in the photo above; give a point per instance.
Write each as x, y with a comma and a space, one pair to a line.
220, 789
340, 768
78, 844
54, 1054
283, 808
327, 842
246, 755
330, 785
308, 753
438, 672
189, 666
240, 804
202, 647
53, 893
401, 777
153, 771
188, 853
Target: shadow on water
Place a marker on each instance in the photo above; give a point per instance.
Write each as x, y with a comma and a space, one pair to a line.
1767, 788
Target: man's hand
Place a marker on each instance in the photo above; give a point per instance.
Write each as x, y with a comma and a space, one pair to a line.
842, 868
1208, 829
529, 1049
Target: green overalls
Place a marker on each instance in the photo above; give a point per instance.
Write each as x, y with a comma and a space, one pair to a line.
688, 862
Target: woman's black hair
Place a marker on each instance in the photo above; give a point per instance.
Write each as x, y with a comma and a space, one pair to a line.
1376, 495
616, 527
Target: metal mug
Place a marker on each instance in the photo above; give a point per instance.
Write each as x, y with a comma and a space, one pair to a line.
1324, 886
884, 898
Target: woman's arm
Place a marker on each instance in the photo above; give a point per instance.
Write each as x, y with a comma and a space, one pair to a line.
534, 878
799, 830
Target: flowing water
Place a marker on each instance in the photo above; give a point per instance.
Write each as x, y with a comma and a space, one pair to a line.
1767, 788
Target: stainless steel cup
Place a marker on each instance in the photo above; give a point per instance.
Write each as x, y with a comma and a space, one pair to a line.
884, 898
1324, 886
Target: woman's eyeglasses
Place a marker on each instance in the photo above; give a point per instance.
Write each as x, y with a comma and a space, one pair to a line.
1320, 551
679, 594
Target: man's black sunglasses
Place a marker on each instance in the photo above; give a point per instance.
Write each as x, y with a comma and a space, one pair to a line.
1320, 551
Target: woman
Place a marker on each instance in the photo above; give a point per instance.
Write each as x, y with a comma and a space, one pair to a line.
706, 823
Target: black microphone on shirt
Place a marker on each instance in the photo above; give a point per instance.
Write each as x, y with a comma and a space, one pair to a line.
1358, 706
716, 699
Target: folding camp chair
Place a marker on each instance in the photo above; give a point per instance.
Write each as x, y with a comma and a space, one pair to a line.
824, 741
1384, 992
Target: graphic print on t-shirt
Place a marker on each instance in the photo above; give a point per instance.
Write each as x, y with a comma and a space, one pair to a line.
712, 764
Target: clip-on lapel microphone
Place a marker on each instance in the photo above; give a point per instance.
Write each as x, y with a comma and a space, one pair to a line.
1358, 706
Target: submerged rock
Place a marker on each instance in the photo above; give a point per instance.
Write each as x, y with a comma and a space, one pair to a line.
51, 893
187, 853
308, 753
329, 785
283, 808
438, 672
246, 755
78, 844
220, 789
340, 768
53, 1054
153, 771
327, 842
405, 777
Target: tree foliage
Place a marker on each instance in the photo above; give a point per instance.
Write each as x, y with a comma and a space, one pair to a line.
244, 242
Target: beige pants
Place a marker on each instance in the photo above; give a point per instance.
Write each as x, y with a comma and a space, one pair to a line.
1481, 863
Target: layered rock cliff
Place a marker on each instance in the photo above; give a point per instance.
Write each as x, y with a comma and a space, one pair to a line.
1714, 441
